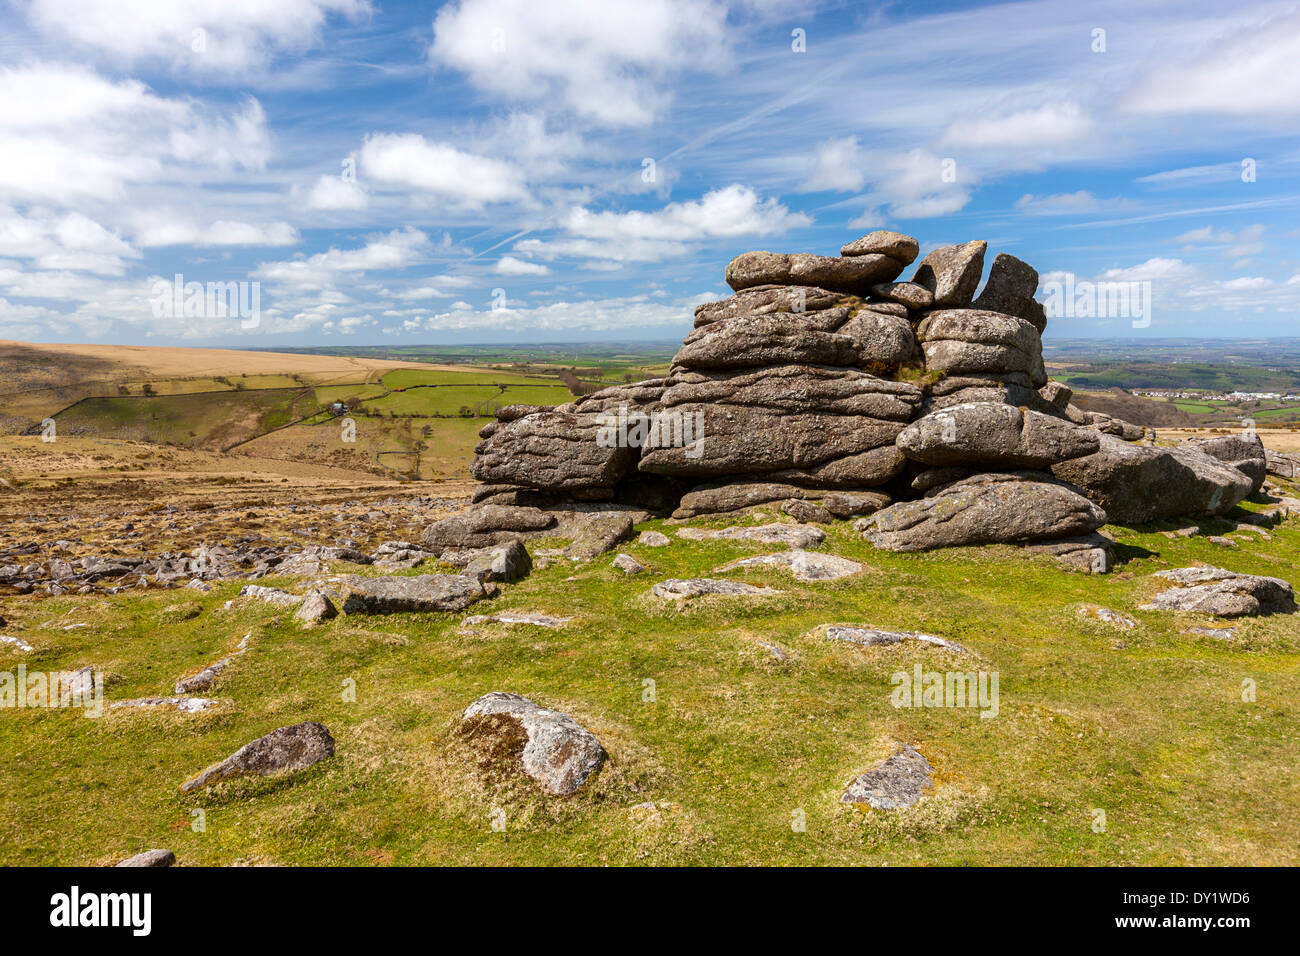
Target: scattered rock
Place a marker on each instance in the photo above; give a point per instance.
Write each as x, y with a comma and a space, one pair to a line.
551, 747
516, 617
284, 750
17, 643
678, 589
628, 564
898, 782
154, 858
504, 562
208, 676
1222, 593
653, 539
1107, 616
871, 636
269, 595
1219, 633
791, 535
804, 565
185, 705
316, 606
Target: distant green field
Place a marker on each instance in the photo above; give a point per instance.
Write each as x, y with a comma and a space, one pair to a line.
449, 400
193, 419
406, 377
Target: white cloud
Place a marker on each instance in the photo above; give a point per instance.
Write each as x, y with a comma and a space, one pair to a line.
1067, 204
335, 192
916, 185
510, 266
1055, 124
838, 166
600, 315
396, 250
231, 34
69, 135
608, 62
166, 228
69, 241
1247, 241
1251, 72
410, 161
734, 210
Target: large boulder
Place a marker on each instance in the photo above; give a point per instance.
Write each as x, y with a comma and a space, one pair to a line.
985, 509
283, 750
883, 242
551, 451
852, 274
987, 433
1283, 466
420, 594
952, 273
785, 417
780, 339
550, 747
1244, 452
1140, 483
979, 343
1010, 290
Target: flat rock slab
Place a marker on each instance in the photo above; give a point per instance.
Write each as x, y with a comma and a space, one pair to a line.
598, 533
804, 565
269, 595
420, 594
793, 535
1219, 633
555, 750
17, 643
676, 589
283, 750
184, 705
516, 617
898, 782
1222, 593
151, 858
1107, 616
208, 676
872, 637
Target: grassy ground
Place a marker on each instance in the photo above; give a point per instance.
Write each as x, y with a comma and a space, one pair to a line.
1148, 725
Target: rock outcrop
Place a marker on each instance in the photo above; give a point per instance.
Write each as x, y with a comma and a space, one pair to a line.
837, 387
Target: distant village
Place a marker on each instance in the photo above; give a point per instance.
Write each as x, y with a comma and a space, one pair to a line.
1210, 396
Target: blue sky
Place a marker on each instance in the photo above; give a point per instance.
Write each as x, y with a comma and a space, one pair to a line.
390, 172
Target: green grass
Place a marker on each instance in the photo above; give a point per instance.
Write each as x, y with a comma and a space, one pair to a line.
1147, 724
